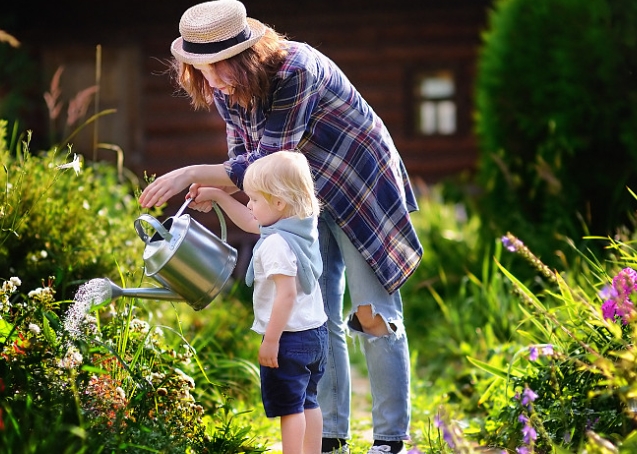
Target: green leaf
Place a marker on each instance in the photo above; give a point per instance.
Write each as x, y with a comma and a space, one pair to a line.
49, 333
560, 450
629, 445
502, 373
53, 319
5, 330
96, 370
486, 395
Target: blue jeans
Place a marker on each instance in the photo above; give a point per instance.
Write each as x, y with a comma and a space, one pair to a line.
387, 357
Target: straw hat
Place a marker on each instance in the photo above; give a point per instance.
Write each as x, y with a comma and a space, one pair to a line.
214, 31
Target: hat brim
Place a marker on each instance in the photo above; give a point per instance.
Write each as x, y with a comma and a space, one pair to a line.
257, 30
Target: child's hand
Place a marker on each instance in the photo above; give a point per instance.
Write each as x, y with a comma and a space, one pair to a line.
268, 353
202, 197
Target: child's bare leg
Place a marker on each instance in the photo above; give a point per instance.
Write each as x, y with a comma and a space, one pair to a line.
292, 433
313, 431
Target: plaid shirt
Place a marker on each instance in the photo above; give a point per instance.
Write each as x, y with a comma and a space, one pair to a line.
359, 175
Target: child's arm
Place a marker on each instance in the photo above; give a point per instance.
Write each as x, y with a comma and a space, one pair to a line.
281, 310
203, 196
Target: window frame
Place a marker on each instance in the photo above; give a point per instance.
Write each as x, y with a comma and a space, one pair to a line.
461, 98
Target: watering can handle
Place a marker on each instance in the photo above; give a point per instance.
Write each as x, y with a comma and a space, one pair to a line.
222, 222
165, 234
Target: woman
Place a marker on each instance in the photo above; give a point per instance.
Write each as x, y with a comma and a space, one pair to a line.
276, 94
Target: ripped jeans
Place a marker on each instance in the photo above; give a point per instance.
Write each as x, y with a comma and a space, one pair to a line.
387, 357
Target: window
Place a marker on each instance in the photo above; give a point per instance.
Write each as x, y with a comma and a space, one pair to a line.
435, 112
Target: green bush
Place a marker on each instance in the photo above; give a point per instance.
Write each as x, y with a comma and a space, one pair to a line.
57, 223
556, 97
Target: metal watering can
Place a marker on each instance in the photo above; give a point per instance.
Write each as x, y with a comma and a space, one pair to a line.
190, 262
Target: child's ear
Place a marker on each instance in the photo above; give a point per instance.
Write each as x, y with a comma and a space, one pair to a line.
280, 204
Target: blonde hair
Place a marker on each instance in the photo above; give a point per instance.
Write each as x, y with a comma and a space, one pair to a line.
285, 174
252, 72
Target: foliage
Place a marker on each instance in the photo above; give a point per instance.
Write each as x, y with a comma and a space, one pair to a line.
60, 224
99, 378
456, 291
569, 387
555, 99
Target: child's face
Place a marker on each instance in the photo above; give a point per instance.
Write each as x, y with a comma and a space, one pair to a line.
266, 213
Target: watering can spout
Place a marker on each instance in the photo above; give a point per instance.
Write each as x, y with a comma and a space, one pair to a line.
114, 291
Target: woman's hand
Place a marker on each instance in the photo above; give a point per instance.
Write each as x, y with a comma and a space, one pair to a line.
163, 188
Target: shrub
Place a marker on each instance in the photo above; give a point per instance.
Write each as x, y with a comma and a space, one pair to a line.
59, 224
556, 108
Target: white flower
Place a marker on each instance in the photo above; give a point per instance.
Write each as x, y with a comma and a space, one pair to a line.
71, 360
76, 164
139, 325
16, 281
35, 329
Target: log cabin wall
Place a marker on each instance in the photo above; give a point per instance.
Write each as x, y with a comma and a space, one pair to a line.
382, 46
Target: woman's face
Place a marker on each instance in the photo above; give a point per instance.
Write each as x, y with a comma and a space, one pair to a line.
217, 76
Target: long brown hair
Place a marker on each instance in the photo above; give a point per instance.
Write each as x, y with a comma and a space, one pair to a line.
252, 71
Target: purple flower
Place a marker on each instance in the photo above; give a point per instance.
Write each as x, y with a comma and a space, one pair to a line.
617, 297
446, 433
523, 450
528, 396
606, 292
625, 282
609, 309
510, 245
591, 424
536, 350
529, 433
523, 418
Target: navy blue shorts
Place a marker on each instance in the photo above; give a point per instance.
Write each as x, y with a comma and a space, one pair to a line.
292, 387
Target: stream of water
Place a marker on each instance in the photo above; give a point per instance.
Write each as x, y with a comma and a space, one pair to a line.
91, 293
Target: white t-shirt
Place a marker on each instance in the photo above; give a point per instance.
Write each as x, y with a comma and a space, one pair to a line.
275, 256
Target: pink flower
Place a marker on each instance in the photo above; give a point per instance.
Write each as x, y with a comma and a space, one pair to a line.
618, 302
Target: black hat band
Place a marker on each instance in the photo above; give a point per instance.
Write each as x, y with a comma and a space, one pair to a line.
216, 46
